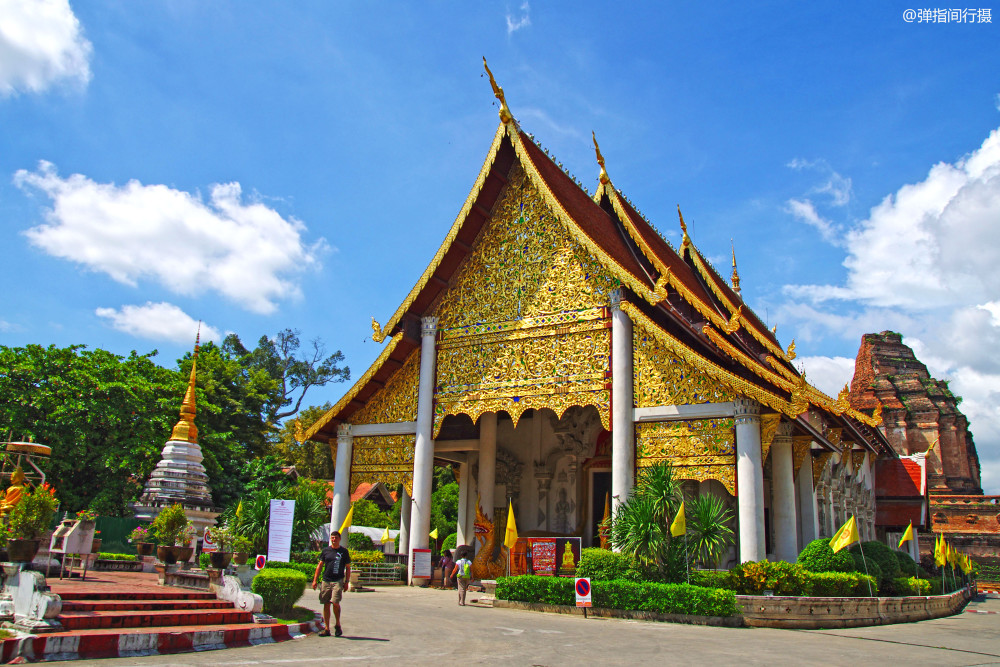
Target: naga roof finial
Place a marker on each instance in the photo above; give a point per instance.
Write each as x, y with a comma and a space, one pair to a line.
600, 160
736, 275
505, 114
684, 228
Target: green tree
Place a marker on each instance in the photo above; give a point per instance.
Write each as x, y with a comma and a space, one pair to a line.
641, 525
367, 513
311, 459
105, 417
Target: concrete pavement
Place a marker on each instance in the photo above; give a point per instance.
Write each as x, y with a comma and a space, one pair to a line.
412, 626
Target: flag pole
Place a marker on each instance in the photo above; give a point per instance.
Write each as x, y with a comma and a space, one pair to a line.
686, 561
863, 560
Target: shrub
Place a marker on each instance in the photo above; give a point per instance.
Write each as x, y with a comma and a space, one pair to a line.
604, 565
755, 577
712, 579
140, 534
879, 553
646, 596
280, 587
169, 525
911, 586
841, 584
819, 557
907, 566
109, 556
31, 517
359, 542
305, 568
306, 557
450, 542
203, 561
364, 557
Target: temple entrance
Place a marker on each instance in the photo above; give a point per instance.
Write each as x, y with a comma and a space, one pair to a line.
600, 490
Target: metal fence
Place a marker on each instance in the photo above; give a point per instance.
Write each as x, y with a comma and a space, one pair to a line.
114, 534
374, 573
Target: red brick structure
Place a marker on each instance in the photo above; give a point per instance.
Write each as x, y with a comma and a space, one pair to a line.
920, 414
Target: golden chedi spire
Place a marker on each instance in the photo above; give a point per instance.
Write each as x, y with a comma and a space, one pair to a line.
600, 160
505, 114
184, 429
736, 276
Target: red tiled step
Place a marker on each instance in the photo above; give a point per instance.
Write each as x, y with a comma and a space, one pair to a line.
82, 620
142, 605
116, 594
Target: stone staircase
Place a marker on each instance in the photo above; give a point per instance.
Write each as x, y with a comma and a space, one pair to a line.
129, 614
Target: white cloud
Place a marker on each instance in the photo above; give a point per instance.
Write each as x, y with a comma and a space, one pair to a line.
828, 374
240, 249
515, 23
41, 43
6, 326
924, 263
804, 210
835, 186
157, 321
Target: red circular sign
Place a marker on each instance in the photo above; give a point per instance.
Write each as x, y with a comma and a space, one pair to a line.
582, 587
260, 562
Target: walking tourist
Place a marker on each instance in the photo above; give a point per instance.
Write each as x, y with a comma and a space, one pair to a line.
447, 563
463, 570
335, 563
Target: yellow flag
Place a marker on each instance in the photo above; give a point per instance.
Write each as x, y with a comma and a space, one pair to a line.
434, 534
679, 526
344, 527
510, 534
385, 535
239, 510
939, 552
907, 536
846, 536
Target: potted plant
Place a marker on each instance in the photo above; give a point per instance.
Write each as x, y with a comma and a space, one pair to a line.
223, 539
184, 547
166, 529
29, 521
241, 549
141, 537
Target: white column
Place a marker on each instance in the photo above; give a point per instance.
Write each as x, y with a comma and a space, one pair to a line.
622, 400
487, 461
342, 477
469, 509
404, 522
915, 546
749, 480
464, 473
423, 455
808, 517
783, 495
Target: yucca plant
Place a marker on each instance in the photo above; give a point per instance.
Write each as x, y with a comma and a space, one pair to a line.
709, 534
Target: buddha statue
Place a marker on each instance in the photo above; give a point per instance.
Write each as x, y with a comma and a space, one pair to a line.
14, 492
568, 561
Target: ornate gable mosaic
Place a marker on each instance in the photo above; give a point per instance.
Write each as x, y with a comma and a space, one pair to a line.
525, 322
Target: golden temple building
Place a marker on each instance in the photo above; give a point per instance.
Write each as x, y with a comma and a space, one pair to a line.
555, 344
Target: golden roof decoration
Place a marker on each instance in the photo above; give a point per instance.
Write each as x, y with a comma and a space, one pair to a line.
505, 114
736, 276
790, 354
684, 228
185, 430
843, 402
377, 334
600, 160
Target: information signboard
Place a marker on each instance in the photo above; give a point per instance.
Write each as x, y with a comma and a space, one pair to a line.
208, 545
421, 563
279, 534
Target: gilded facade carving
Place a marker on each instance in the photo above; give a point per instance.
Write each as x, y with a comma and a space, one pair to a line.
801, 445
388, 458
524, 324
768, 429
819, 465
698, 449
661, 377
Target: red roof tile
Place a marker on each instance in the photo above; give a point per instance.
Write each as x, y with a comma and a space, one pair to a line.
898, 478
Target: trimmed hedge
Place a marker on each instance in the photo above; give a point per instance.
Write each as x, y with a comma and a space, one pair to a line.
753, 578
450, 542
911, 586
819, 557
619, 594
357, 557
840, 584
359, 542
109, 556
712, 578
281, 588
308, 569
880, 553
605, 565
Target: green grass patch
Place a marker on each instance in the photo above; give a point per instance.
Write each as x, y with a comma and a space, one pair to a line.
6, 634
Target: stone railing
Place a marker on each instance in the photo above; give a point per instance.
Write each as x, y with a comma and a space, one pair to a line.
814, 613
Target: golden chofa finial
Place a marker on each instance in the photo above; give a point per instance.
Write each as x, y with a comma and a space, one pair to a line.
505, 114
736, 275
684, 228
600, 160
184, 429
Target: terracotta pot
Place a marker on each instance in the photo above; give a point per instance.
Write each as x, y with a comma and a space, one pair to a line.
219, 559
240, 558
166, 555
144, 548
22, 551
95, 546
182, 554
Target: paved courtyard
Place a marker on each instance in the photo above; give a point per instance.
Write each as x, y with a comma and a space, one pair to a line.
408, 626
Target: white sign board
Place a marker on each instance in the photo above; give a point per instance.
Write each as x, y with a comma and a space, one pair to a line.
208, 545
582, 592
279, 534
421, 562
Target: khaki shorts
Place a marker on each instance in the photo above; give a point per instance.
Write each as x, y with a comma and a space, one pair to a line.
331, 591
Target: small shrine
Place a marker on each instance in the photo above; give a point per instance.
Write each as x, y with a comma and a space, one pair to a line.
180, 477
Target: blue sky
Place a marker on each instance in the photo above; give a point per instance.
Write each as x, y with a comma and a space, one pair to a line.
262, 165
